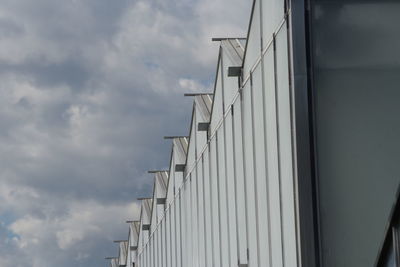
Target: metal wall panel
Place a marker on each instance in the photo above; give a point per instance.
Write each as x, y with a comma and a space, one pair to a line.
201, 136
178, 236
158, 244
140, 240
247, 133
191, 156
151, 248
214, 203
194, 219
222, 199
160, 212
200, 213
217, 112
273, 174
128, 256
189, 229
241, 218
285, 148
172, 212
185, 238
171, 181
179, 154
263, 226
178, 178
253, 46
168, 238
164, 242
181, 228
148, 252
134, 257
203, 108
231, 84
207, 209
144, 258
159, 247
154, 210
231, 190
272, 14
154, 250
179, 157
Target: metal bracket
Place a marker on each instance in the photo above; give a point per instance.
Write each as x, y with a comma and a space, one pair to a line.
175, 136
161, 201
197, 94
203, 126
180, 167
157, 171
235, 71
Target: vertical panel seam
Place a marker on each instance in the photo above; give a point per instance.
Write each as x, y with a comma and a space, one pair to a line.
278, 145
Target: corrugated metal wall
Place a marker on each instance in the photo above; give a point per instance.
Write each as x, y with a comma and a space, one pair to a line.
234, 205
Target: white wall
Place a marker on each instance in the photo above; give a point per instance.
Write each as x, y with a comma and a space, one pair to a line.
237, 202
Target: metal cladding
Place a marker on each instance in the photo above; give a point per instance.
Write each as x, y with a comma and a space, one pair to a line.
114, 262
133, 234
123, 252
228, 196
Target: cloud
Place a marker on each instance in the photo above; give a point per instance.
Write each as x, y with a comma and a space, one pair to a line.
82, 220
73, 235
192, 86
88, 88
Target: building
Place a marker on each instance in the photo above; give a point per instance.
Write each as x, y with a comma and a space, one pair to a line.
294, 158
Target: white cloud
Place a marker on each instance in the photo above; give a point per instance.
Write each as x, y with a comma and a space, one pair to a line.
81, 223
88, 89
189, 85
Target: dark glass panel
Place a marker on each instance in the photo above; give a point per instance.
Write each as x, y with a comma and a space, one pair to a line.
355, 49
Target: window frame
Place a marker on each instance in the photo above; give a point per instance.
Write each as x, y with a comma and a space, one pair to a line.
301, 74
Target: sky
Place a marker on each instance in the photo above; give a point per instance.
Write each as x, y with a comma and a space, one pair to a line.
88, 89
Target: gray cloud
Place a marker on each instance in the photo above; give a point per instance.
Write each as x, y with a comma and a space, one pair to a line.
88, 89
9, 28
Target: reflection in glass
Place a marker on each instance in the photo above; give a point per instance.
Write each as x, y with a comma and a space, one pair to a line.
356, 82
390, 259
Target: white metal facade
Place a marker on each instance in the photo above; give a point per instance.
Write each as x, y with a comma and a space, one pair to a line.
228, 198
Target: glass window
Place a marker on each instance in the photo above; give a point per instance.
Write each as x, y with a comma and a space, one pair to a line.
356, 80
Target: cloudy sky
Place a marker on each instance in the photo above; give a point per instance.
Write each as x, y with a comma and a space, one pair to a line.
88, 88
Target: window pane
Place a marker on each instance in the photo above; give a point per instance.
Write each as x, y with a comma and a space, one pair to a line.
249, 175
356, 78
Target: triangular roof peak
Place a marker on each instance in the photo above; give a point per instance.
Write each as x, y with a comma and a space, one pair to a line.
114, 262
123, 252
234, 48
181, 145
204, 105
